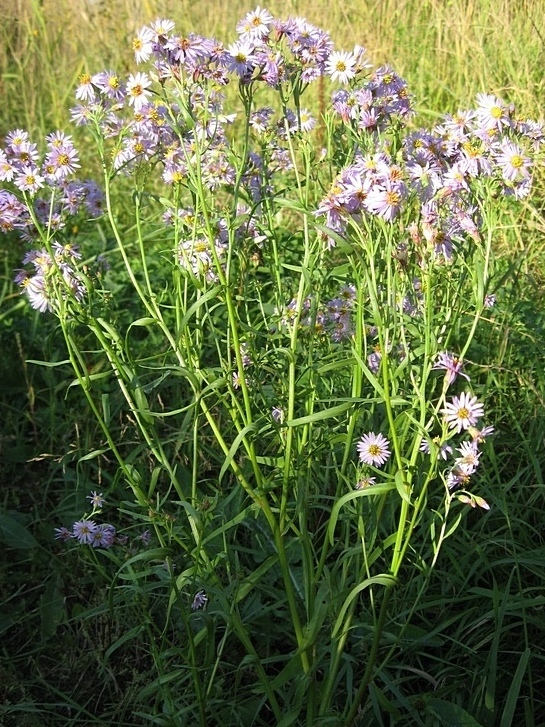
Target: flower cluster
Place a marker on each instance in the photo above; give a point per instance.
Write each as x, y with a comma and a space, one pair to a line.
22, 170
99, 535
377, 104
53, 277
200, 256
434, 169
37, 203
461, 414
333, 319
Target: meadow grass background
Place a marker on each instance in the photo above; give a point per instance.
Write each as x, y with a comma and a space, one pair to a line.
486, 599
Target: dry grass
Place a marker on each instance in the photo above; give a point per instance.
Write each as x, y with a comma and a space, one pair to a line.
447, 49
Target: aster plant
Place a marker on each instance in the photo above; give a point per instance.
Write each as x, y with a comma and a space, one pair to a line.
292, 373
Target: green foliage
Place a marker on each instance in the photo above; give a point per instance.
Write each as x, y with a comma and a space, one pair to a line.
328, 602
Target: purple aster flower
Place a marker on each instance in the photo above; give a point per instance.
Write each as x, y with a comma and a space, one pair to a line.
277, 414
200, 599
463, 411
385, 200
145, 537
86, 90
63, 534
492, 112
480, 435
109, 84
143, 44
62, 161
29, 179
451, 365
458, 477
97, 501
36, 289
444, 449
513, 163
83, 531
469, 457
373, 361
241, 58
103, 536
373, 449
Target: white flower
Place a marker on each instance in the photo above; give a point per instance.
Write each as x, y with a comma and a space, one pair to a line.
341, 66
463, 412
373, 449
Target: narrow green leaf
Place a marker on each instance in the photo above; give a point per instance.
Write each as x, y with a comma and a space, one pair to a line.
451, 715
234, 448
379, 489
514, 690
52, 610
321, 415
48, 364
15, 535
383, 579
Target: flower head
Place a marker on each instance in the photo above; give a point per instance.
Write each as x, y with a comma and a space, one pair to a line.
341, 66
200, 600
463, 411
373, 449
97, 500
452, 366
63, 534
84, 530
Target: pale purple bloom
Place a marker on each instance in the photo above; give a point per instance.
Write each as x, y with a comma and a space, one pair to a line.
86, 90
492, 112
62, 161
480, 435
463, 411
7, 169
373, 361
161, 27
277, 414
29, 179
457, 477
373, 449
200, 599
241, 57
444, 449
63, 534
36, 289
103, 536
512, 161
365, 482
307, 122
83, 531
385, 200
145, 537
97, 500
109, 84
451, 365
469, 457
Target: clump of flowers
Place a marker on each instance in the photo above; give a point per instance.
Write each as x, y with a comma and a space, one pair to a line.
98, 535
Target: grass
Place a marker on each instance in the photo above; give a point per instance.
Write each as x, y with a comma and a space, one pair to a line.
86, 641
